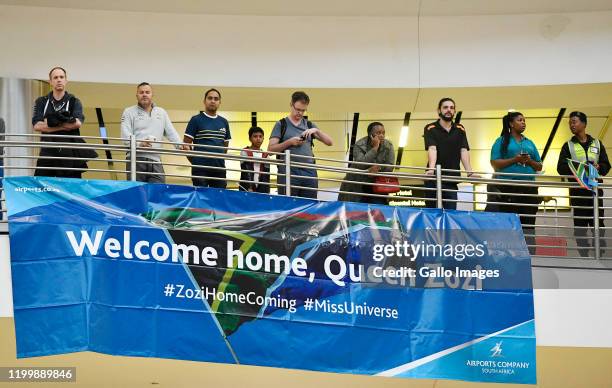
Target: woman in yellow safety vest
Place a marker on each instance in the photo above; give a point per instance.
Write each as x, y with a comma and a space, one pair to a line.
583, 148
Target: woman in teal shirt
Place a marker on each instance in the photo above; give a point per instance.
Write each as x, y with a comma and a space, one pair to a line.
516, 154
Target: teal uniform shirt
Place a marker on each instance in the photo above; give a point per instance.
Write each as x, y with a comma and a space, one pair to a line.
515, 148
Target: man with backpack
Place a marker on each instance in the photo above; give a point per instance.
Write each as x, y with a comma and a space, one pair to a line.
296, 134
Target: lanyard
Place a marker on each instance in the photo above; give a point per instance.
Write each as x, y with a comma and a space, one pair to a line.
67, 103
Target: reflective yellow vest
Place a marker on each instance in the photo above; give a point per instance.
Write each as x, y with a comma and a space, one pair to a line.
577, 152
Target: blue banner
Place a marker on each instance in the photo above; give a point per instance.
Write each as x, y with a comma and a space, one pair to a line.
179, 272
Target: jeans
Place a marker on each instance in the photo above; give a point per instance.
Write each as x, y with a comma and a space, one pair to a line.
202, 175
310, 182
446, 195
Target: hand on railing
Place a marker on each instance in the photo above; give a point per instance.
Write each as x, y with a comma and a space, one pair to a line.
147, 142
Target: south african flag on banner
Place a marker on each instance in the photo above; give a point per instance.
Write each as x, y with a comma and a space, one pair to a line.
202, 274
585, 174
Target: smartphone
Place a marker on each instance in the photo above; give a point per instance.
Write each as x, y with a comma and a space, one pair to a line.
523, 153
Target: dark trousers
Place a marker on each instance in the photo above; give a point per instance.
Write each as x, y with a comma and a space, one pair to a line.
446, 195
255, 188
55, 173
58, 166
310, 191
519, 205
201, 177
369, 189
146, 165
582, 197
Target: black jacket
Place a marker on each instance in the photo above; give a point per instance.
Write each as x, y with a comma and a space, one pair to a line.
249, 174
562, 163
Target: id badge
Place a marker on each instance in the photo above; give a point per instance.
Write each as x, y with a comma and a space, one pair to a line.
594, 150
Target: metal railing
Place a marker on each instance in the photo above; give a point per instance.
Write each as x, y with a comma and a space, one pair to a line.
560, 235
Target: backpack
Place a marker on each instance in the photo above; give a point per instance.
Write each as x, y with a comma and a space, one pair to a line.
283, 125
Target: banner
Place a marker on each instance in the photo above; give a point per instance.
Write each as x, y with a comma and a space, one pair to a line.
157, 270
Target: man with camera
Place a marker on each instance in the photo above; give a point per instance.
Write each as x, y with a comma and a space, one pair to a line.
60, 113
296, 134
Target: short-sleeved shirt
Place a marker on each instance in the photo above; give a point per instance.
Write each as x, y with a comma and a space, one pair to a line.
46, 104
515, 148
303, 150
448, 145
205, 131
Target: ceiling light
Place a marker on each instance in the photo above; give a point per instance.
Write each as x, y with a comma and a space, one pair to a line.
403, 137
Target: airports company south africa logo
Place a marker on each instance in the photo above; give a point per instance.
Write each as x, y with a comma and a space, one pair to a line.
497, 363
496, 351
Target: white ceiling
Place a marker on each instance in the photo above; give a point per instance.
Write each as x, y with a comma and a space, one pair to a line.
335, 8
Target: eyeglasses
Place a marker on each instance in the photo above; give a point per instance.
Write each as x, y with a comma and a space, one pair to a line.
298, 110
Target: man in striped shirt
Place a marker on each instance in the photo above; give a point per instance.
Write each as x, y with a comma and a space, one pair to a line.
204, 130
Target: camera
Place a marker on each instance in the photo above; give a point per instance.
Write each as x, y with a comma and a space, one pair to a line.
57, 118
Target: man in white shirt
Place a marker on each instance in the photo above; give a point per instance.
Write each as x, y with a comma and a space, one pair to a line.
148, 123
